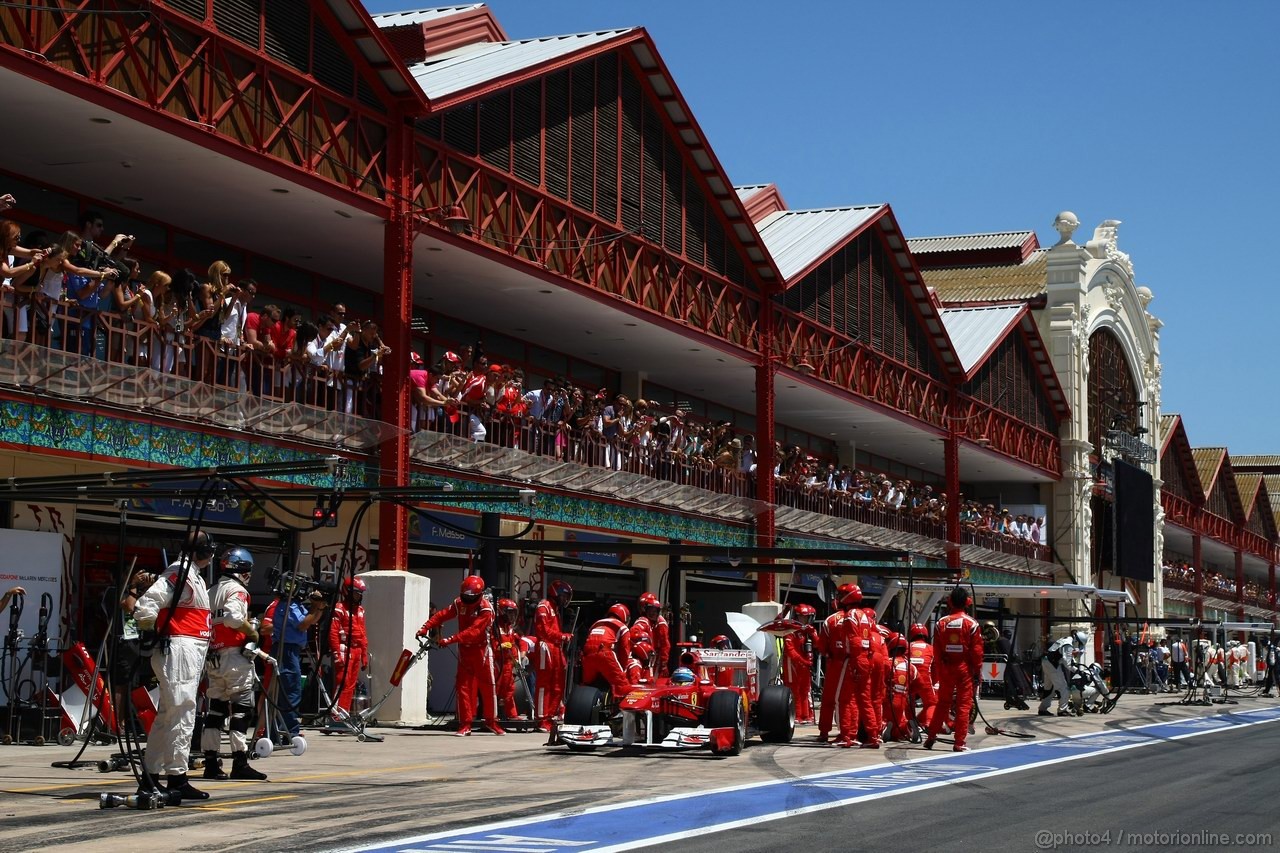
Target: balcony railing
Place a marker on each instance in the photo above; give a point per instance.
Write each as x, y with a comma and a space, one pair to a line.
636, 455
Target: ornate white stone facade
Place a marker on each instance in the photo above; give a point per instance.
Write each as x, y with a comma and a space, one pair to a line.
1090, 288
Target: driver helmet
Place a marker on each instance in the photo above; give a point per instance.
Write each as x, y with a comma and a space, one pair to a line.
720, 641
683, 675
472, 588
238, 562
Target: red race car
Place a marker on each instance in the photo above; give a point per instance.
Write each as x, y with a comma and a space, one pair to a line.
714, 699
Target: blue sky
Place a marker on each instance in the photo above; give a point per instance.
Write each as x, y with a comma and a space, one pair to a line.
994, 116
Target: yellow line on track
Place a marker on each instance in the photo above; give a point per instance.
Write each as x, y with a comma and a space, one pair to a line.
223, 806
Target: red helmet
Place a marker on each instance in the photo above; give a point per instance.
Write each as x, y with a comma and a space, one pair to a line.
720, 641
803, 610
649, 599
506, 604
621, 613
357, 584
918, 631
560, 589
898, 647
472, 587
642, 648
849, 594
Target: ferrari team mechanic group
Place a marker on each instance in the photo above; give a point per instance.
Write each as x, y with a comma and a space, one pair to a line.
873, 676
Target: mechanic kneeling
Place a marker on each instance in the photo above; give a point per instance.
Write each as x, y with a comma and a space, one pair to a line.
608, 644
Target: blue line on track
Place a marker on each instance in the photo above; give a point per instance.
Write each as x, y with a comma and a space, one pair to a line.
640, 823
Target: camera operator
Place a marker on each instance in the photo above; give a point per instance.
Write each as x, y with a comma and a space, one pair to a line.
291, 620
176, 606
230, 672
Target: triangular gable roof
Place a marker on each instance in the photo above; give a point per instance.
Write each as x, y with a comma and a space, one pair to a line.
1175, 441
477, 70
1256, 499
372, 45
976, 333
1222, 479
423, 16
1208, 464
799, 239
1001, 247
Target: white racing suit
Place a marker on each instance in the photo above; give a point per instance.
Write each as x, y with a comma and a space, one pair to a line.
230, 690
178, 662
1053, 668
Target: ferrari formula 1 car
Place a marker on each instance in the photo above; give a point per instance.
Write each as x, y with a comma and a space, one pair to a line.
720, 704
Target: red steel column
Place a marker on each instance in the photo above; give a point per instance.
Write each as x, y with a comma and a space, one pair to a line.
766, 582
1197, 558
397, 295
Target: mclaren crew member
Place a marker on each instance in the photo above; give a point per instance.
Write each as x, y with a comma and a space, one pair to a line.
608, 644
176, 606
957, 657
475, 618
348, 642
1055, 669
797, 662
230, 673
551, 667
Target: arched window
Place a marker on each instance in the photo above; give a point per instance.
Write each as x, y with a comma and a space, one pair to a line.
1113, 396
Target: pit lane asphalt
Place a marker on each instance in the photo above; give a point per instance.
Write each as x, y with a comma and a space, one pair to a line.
343, 793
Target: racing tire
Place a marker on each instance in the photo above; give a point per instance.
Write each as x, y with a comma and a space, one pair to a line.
584, 706
724, 710
524, 701
777, 714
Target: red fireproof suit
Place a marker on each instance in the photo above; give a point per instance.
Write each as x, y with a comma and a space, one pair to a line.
855, 699
832, 646
797, 669
349, 645
899, 696
607, 645
549, 667
957, 650
922, 686
506, 650
880, 667
475, 658
660, 632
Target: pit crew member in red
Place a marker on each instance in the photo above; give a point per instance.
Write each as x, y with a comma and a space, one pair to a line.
957, 649
176, 606
348, 641
550, 666
607, 646
475, 616
831, 644
657, 628
856, 709
921, 651
640, 664
506, 647
797, 662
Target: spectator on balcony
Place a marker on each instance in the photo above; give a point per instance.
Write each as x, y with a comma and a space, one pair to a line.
509, 407
231, 321
259, 349
323, 349
611, 430
20, 280
126, 303
175, 310
1036, 531
362, 365
146, 316
281, 339
53, 270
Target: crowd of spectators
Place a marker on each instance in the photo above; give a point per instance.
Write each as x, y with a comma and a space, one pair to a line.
72, 292
1181, 573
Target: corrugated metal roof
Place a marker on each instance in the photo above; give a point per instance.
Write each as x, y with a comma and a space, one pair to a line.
458, 70
969, 242
797, 238
973, 331
1020, 282
1208, 459
747, 191
1166, 422
421, 16
1255, 462
1273, 487
1248, 486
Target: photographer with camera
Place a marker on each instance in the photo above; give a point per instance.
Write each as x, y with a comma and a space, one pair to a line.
229, 670
291, 620
176, 607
